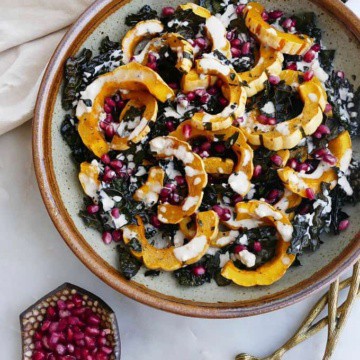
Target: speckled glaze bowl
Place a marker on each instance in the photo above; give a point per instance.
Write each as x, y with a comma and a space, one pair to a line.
62, 194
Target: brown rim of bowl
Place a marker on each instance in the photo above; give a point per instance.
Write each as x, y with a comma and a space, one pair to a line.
69, 45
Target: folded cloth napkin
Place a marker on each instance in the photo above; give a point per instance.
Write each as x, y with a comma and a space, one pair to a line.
29, 33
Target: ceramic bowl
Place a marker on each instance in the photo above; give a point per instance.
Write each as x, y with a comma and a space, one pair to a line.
63, 196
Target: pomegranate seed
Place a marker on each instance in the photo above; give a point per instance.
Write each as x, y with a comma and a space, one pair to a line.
310, 193
109, 131
239, 248
257, 246
152, 65
276, 14
304, 209
50, 312
115, 213
308, 75
116, 164
273, 195
170, 125
70, 348
200, 42
106, 237
165, 192
263, 119
61, 349
109, 101
303, 167
317, 135
265, 16
276, 159
323, 129
257, 171
109, 175
180, 180
340, 74
106, 350
103, 125
108, 109
245, 48
343, 225
117, 235
37, 335
61, 304
309, 56
271, 121
205, 98
212, 90
226, 215
102, 341
151, 58
274, 80
236, 199
45, 325
316, 47
174, 199
320, 153
230, 35
235, 52
105, 159
198, 270
38, 345
291, 66
173, 85
205, 146
240, 9
330, 159
293, 23
77, 299
154, 220
235, 42
219, 148
186, 131
54, 339
287, 23
328, 108
190, 96
168, 11
218, 209
39, 355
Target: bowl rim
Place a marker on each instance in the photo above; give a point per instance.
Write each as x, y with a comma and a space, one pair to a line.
41, 144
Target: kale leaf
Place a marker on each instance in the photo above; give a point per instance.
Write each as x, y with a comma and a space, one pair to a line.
306, 24
145, 13
128, 264
215, 6
326, 59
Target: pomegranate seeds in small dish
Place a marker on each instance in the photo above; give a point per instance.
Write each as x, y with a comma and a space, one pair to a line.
213, 143
70, 323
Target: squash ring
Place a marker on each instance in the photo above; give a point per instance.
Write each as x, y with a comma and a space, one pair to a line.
296, 182
286, 43
130, 77
89, 178
195, 176
274, 269
137, 99
289, 133
173, 258
141, 31
269, 63
216, 32
237, 96
243, 168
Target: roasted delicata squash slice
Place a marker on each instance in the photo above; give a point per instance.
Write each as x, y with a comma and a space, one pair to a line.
236, 96
89, 178
188, 227
134, 131
218, 165
256, 213
141, 31
286, 43
224, 238
242, 171
196, 9
193, 81
216, 32
289, 133
173, 258
195, 176
178, 44
269, 63
298, 182
149, 192
288, 201
132, 76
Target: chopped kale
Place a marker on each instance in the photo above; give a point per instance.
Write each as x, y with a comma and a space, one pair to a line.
306, 24
70, 134
135, 245
128, 264
215, 6
326, 59
145, 13
107, 45
93, 221
166, 65
73, 78
152, 273
184, 22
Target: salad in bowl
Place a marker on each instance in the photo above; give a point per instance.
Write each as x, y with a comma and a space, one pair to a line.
214, 141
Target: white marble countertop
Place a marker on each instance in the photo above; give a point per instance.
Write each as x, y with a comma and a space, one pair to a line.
35, 260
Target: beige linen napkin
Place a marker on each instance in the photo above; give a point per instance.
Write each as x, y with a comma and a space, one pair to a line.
29, 33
